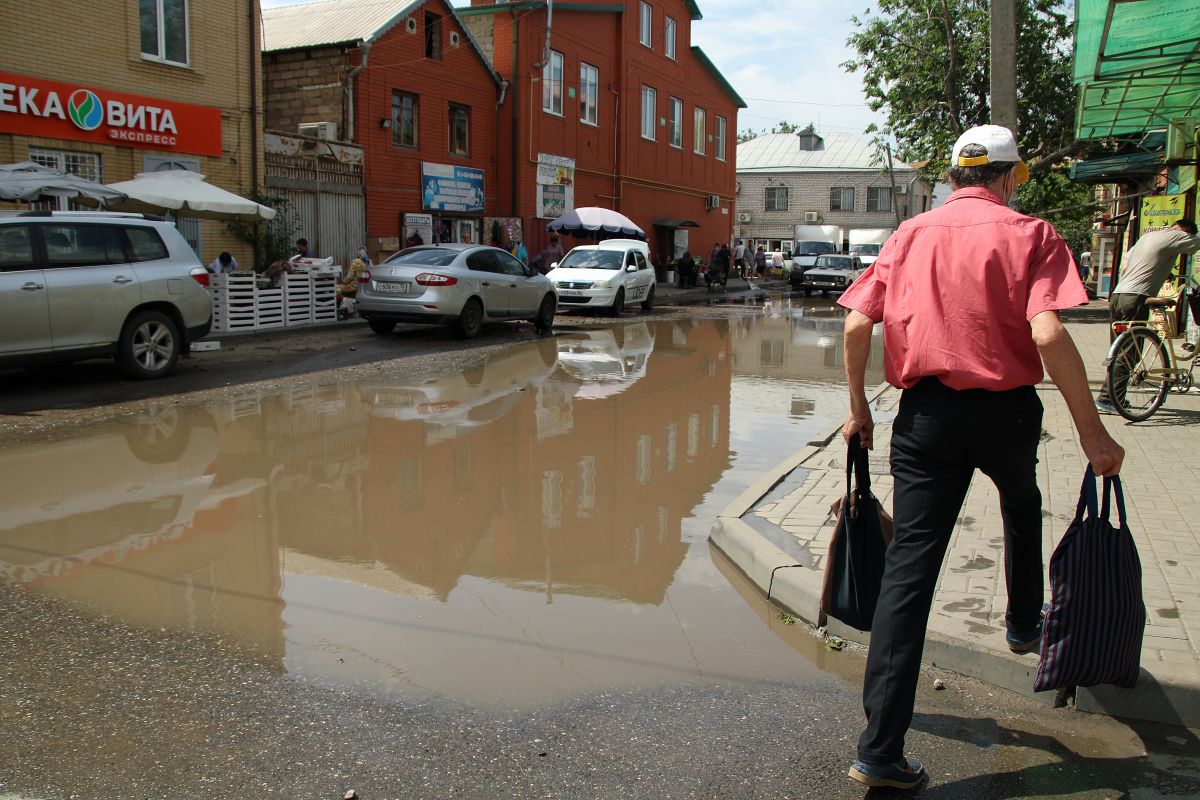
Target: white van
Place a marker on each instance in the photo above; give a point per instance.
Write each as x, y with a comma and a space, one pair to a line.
606, 275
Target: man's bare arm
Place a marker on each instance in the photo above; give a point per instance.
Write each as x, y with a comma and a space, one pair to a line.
1066, 369
858, 349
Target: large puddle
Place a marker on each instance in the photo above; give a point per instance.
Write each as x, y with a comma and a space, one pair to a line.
529, 530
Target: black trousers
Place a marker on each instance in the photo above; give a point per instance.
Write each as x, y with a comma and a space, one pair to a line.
1123, 308
940, 437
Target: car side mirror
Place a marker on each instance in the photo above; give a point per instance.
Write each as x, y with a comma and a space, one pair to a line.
555, 264
631, 268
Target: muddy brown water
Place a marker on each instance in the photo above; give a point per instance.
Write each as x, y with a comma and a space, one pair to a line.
529, 530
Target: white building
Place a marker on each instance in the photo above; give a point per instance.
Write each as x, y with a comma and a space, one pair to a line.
790, 179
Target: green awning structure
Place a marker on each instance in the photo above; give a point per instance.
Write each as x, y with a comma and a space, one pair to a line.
1137, 65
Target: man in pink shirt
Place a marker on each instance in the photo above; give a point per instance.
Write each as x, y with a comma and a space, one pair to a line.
968, 295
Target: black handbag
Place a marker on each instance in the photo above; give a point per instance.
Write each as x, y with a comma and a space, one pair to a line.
854, 566
1093, 628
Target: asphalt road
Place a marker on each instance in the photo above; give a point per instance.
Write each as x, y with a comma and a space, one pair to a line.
92, 708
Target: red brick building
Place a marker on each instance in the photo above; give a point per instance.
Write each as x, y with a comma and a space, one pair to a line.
619, 90
405, 81
487, 122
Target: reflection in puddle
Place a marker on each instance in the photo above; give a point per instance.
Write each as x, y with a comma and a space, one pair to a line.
528, 529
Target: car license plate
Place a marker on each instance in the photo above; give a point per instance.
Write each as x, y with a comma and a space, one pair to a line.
391, 287
570, 293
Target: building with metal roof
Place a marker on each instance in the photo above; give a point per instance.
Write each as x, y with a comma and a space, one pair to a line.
790, 179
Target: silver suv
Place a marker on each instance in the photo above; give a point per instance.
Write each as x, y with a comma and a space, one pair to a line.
76, 285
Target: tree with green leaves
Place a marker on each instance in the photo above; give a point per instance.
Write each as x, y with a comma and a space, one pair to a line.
925, 65
272, 241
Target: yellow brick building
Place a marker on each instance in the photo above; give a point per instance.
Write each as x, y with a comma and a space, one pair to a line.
172, 83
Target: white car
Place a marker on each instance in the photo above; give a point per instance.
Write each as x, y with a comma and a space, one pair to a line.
606, 275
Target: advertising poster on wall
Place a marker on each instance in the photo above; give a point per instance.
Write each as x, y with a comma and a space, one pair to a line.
1161, 211
555, 185
681, 242
447, 187
418, 229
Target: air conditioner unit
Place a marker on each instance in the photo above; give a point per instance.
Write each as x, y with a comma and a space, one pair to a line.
744, 216
321, 130
812, 216
1181, 135
713, 201
902, 188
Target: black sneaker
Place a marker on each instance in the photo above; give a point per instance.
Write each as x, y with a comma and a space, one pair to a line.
1021, 642
907, 773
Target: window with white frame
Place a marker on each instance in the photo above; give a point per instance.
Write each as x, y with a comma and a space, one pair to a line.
164, 30
669, 38
720, 142
645, 29
552, 84
589, 94
841, 198
777, 198
675, 123
649, 112
879, 198
85, 165
699, 131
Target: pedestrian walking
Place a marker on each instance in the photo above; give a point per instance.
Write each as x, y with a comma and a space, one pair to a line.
968, 295
1147, 265
739, 259
760, 262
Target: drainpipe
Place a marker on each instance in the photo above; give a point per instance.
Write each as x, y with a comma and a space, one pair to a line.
365, 50
512, 212
255, 55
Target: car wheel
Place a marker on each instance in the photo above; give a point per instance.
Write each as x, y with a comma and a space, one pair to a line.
470, 319
648, 303
381, 326
543, 322
149, 345
618, 304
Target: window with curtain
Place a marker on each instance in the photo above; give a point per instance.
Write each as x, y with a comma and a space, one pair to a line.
720, 141
669, 38
646, 29
675, 123
879, 198
841, 198
552, 84
699, 133
649, 112
589, 94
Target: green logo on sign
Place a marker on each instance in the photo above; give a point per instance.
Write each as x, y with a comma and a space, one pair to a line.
85, 109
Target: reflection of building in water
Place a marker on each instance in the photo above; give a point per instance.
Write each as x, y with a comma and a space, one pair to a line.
521, 471
801, 341
591, 506
153, 523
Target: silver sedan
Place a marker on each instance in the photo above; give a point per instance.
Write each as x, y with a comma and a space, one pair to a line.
464, 285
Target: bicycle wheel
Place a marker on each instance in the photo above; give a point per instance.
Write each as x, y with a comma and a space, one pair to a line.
1137, 375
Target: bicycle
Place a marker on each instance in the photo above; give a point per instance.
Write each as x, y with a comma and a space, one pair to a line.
1147, 359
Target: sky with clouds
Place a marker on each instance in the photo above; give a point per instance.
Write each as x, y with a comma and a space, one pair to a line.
782, 57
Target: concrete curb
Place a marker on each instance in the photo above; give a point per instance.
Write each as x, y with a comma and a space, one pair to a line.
1164, 693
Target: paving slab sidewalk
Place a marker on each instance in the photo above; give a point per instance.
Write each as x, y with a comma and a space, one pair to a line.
966, 630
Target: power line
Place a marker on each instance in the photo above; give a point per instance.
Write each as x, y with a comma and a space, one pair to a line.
807, 103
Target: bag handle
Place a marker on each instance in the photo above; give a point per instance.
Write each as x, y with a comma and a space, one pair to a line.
1088, 498
857, 466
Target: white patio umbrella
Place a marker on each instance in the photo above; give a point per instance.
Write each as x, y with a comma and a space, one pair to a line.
595, 222
186, 194
26, 181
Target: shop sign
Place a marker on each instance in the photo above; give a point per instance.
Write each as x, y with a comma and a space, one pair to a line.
55, 110
1161, 211
555, 185
447, 187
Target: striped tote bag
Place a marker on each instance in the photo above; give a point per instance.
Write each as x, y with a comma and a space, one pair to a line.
1093, 628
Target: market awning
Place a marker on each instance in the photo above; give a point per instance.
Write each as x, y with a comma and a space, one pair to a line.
1116, 168
675, 223
1137, 65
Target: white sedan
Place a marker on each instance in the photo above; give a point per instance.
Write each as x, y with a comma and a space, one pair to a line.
606, 275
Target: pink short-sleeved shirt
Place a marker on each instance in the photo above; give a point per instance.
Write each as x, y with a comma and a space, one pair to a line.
955, 289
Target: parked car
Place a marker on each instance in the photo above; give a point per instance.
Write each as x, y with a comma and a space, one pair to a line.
464, 285
606, 275
830, 273
77, 285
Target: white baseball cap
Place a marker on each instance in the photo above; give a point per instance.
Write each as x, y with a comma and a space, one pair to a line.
999, 144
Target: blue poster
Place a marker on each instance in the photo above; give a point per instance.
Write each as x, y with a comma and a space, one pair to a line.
446, 187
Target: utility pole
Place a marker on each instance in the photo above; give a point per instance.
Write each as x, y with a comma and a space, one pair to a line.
1003, 25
